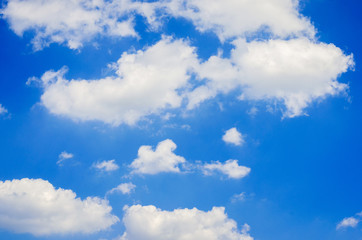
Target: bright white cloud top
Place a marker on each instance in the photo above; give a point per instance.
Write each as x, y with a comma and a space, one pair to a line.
35, 206
230, 168
106, 166
162, 159
124, 188
233, 136
151, 223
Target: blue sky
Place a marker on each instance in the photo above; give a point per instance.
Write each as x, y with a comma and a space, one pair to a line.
180, 119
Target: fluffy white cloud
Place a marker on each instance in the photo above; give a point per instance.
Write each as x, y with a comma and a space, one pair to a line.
64, 156
162, 159
232, 18
146, 83
125, 188
231, 168
151, 223
35, 206
3, 110
294, 72
233, 136
107, 166
69, 21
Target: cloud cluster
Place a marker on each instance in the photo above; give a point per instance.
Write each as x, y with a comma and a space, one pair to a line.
35, 206
3, 110
151, 223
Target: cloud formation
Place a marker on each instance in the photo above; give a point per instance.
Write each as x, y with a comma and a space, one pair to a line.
162, 159
35, 206
233, 136
64, 156
351, 222
106, 166
124, 188
3, 110
230, 168
151, 223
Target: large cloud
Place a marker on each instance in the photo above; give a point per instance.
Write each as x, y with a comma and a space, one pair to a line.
146, 82
151, 223
69, 21
294, 72
233, 18
35, 206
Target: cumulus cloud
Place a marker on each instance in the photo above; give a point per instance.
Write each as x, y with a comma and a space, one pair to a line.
151, 223
351, 222
107, 166
124, 188
230, 168
68, 21
162, 159
35, 206
294, 72
3, 110
64, 156
234, 18
233, 136
146, 82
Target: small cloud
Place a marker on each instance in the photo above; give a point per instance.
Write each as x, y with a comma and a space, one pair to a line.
238, 197
231, 168
64, 156
233, 136
107, 166
162, 159
3, 110
348, 222
124, 188
252, 111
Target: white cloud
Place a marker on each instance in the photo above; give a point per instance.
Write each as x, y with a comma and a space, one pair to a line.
162, 159
231, 168
69, 21
348, 222
233, 18
294, 72
147, 82
151, 223
124, 188
35, 206
3, 110
107, 166
64, 156
233, 136
238, 197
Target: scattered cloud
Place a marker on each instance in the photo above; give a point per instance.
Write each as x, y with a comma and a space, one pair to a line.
106, 166
151, 223
238, 197
34, 206
233, 136
124, 188
162, 159
349, 222
3, 110
64, 156
230, 168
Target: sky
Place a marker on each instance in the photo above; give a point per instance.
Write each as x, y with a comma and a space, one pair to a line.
180, 119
